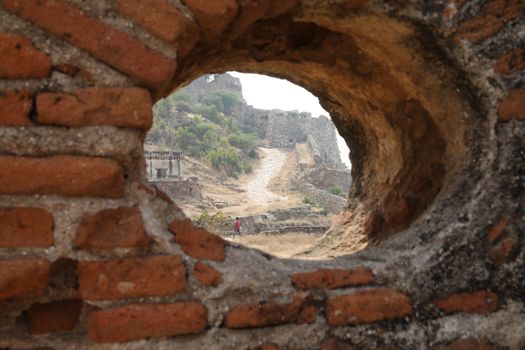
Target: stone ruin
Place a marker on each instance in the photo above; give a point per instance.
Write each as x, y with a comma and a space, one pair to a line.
428, 94
164, 170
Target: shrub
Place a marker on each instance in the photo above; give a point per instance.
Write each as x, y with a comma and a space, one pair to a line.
209, 112
183, 106
181, 96
217, 222
336, 191
227, 159
308, 200
245, 142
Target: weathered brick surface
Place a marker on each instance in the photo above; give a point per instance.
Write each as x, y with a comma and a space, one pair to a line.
196, 242
15, 107
21, 278
63, 175
249, 12
267, 346
396, 211
511, 62
104, 42
480, 302
513, 106
333, 278
112, 228
490, 21
469, 344
57, 316
280, 7
75, 72
139, 321
367, 306
129, 107
20, 59
207, 275
335, 344
496, 231
264, 314
64, 274
25, 227
501, 251
372, 224
132, 277
164, 20
308, 315
352, 4
213, 17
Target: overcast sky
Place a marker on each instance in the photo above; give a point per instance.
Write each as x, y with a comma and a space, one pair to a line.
266, 92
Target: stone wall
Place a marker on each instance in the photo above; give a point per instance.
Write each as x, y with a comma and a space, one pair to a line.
284, 129
331, 203
179, 189
326, 178
94, 258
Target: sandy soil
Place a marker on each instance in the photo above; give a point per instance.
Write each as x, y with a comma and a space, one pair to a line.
282, 246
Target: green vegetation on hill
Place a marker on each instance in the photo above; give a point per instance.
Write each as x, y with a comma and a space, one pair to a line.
206, 129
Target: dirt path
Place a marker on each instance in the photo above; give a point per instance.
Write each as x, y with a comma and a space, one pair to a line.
257, 189
257, 195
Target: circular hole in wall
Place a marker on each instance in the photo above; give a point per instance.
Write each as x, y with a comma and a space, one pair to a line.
392, 98
262, 150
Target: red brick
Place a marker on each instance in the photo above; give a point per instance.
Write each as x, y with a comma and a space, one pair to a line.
213, 16
333, 278
20, 59
57, 316
469, 344
511, 62
490, 21
110, 106
513, 106
25, 227
353, 4
335, 344
104, 42
15, 107
480, 302
280, 7
132, 277
250, 11
196, 242
267, 346
22, 278
139, 321
367, 306
308, 315
112, 228
164, 21
496, 231
207, 275
75, 72
264, 314
501, 252
63, 175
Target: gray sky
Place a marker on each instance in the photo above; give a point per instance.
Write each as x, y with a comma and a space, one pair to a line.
266, 92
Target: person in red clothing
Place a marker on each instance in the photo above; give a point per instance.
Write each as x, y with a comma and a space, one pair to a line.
237, 227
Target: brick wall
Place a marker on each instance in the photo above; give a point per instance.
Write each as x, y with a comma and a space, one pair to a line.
431, 93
